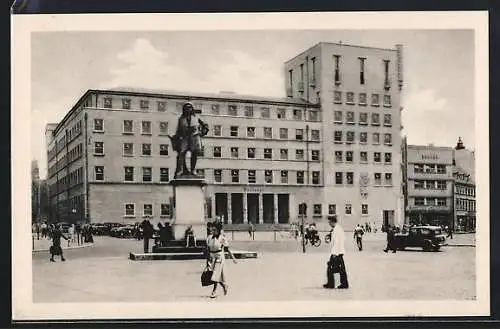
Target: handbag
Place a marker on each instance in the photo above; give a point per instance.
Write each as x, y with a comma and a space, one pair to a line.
206, 277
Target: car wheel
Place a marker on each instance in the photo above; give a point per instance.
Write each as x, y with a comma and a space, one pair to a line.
427, 245
436, 248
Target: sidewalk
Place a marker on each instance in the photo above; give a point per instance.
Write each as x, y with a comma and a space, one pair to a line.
462, 240
44, 245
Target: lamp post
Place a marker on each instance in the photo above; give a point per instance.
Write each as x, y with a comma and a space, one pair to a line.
302, 212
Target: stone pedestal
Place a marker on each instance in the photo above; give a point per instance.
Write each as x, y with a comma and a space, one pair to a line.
189, 206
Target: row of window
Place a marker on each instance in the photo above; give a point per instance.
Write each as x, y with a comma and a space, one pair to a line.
267, 132
348, 157
350, 137
252, 153
350, 118
147, 210
430, 184
332, 209
430, 201
73, 133
362, 99
347, 178
465, 205
68, 181
128, 127
74, 154
128, 149
420, 168
465, 190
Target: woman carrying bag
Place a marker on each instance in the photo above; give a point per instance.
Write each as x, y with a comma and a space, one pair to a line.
216, 245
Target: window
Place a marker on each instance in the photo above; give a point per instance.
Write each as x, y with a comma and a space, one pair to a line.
99, 173
268, 176
338, 178
315, 155
235, 176
129, 174
387, 139
441, 185
363, 157
163, 149
251, 176
336, 59
217, 130
332, 209
419, 201
300, 177
249, 111
217, 152
362, 99
387, 120
161, 106
268, 132
234, 131
376, 138
375, 99
299, 134
387, 84
349, 156
441, 169
363, 118
363, 137
268, 154
297, 114
108, 102
313, 64
442, 202
338, 156
215, 109
165, 210
128, 149
364, 209
338, 117
315, 135
232, 110
350, 137
265, 112
98, 148
337, 97
126, 103
350, 117
251, 152
283, 154
338, 136
313, 116
284, 177
315, 177
146, 127
388, 179
317, 211
281, 114
128, 126
98, 125
164, 175
350, 178
163, 128
378, 178
375, 119
299, 154
234, 152
376, 157
146, 174
388, 157
147, 210
178, 107
144, 105
218, 175
348, 209
419, 184
362, 70
350, 97
251, 132
418, 168
430, 169
387, 101
146, 149
129, 210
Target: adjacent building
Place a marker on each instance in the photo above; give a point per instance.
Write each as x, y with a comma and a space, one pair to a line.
35, 191
334, 143
465, 189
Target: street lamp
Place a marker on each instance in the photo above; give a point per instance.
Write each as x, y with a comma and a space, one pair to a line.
303, 212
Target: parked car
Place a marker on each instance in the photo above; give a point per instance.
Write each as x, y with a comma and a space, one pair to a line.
426, 237
100, 229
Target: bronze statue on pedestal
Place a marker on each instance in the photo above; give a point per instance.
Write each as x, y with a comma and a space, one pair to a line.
187, 138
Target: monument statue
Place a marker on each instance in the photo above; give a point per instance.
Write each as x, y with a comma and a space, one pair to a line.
187, 138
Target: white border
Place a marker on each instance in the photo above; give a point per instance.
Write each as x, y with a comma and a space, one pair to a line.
22, 26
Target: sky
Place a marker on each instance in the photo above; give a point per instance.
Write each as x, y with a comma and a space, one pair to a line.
438, 70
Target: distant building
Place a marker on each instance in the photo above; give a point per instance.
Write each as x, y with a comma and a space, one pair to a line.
465, 189
333, 143
35, 191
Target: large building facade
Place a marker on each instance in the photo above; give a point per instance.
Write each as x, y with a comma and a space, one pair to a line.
333, 143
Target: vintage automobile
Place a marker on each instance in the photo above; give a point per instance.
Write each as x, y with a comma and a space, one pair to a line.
429, 238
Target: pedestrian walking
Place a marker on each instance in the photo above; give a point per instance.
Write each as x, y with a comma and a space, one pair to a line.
147, 233
358, 236
250, 229
450, 232
390, 231
55, 249
217, 244
336, 262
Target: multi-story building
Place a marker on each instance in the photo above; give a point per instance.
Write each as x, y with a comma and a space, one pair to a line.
429, 185
110, 158
465, 189
359, 90
35, 191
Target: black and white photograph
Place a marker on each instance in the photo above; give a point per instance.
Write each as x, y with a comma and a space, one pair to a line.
249, 165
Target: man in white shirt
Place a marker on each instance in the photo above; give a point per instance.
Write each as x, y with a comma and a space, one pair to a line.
336, 262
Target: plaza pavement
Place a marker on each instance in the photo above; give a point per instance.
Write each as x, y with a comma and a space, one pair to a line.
103, 273
43, 244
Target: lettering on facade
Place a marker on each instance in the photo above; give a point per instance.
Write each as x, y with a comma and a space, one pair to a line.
252, 190
430, 157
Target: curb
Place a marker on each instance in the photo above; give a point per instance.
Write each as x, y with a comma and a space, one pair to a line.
67, 248
462, 245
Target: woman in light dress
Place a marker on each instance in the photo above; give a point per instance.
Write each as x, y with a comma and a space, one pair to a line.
216, 243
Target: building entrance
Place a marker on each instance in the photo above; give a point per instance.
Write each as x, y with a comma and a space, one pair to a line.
283, 208
268, 208
221, 206
253, 208
237, 208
